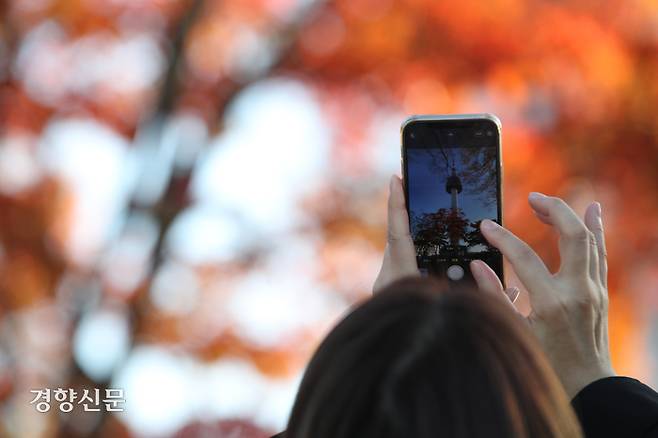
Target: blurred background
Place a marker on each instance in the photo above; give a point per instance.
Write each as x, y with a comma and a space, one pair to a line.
193, 191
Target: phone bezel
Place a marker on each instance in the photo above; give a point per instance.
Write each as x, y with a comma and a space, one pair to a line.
445, 119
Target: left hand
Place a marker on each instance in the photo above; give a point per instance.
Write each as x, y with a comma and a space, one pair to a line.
400, 253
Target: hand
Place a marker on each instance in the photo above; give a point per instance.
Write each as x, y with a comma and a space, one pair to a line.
569, 308
400, 254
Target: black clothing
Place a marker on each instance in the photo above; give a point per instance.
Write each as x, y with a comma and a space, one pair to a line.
614, 407
618, 407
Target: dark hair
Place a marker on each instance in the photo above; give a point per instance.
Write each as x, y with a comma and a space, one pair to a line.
420, 361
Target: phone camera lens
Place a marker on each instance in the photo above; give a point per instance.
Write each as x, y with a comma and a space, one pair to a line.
412, 135
489, 133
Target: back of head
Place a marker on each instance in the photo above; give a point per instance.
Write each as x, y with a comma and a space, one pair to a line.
419, 361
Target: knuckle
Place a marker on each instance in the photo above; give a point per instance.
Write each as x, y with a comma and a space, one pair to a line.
394, 237
597, 227
603, 253
583, 304
524, 252
580, 234
601, 294
558, 204
587, 297
593, 296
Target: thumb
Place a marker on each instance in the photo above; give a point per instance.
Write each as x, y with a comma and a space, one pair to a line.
400, 255
398, 220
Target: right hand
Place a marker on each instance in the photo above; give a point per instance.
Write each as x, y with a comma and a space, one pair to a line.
569, 308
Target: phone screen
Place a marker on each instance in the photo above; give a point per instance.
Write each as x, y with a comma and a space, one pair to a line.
452, 183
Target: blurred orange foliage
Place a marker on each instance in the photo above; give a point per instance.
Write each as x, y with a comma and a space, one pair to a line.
574, 83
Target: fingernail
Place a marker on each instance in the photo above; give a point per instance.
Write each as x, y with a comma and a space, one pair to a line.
488, 224
475, 266
513, 293
536, 195
598, 209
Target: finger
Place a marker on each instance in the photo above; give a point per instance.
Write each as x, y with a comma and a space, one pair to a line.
594, 222
574, 235
488, 282
529, 267
543, 217
400, 254
398, 220
485, 278
590, 220
399, 238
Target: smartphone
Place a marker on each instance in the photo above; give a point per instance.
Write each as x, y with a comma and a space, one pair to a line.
452, 170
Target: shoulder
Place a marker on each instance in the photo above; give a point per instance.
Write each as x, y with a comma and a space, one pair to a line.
617, 406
